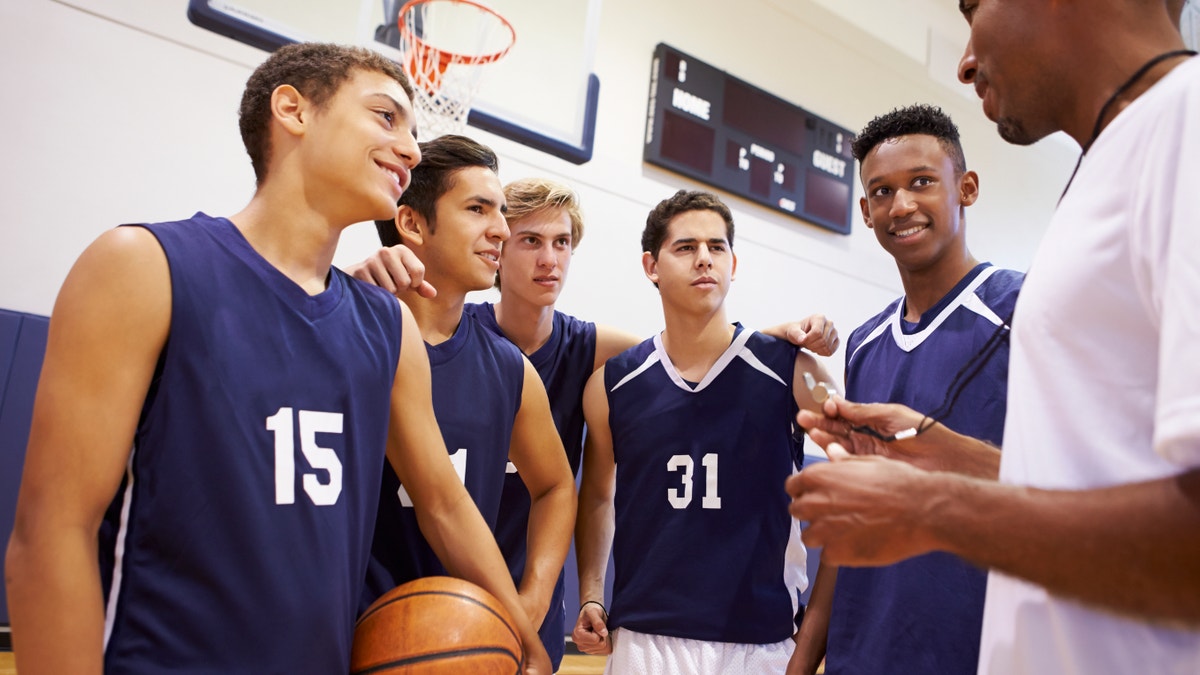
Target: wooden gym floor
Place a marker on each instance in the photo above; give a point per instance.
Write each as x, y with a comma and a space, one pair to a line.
573, 664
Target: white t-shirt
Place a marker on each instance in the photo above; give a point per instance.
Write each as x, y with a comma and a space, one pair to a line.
1104, 381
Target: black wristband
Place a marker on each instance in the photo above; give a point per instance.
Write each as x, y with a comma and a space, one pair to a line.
598, 604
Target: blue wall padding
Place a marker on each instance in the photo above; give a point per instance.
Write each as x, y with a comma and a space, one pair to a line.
22, 347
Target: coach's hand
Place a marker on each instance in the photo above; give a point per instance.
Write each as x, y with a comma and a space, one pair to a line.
591, 630
394, 269
875, 429
864, 510
898, 432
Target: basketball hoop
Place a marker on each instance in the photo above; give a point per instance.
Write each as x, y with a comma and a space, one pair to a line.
446, 44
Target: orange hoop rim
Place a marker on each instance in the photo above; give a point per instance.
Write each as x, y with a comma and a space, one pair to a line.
448, 57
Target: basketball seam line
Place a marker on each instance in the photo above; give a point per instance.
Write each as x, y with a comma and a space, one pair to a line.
413, 660
456, 595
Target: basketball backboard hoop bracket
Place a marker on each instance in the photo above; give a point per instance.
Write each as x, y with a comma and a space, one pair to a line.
269, 33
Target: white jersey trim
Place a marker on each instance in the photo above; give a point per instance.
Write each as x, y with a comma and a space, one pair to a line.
725, 359
752, 360
650, 361
736, 349
114, 591
795, 565
909, 341
871, 337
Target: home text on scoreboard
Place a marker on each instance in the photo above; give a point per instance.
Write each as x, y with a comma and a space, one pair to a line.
708, 125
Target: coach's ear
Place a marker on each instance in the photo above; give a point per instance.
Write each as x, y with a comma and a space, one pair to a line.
866, 212
411, 226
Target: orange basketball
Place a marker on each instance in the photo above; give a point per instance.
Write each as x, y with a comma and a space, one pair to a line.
435, 626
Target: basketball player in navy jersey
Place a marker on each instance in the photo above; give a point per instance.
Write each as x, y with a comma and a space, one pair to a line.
214, 407
923, 614
1092, 533
546, 224
688, 435
488, 399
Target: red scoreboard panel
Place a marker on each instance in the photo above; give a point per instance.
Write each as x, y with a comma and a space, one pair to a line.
710, 126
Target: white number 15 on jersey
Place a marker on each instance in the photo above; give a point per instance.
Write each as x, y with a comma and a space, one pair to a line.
322, 459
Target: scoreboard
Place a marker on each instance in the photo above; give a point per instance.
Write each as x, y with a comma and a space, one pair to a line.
712, 127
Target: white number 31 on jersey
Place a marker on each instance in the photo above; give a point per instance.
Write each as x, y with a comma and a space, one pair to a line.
680, 498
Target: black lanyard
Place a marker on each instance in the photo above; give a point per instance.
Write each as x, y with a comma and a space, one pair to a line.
1141, 72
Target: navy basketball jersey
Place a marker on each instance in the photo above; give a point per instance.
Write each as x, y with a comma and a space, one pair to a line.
477, 383
704, 546
924, 614
564, 363
240, 536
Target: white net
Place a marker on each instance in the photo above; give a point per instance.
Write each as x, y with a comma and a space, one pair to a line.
447, 45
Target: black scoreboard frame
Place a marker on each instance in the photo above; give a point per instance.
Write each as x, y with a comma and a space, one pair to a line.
708, 125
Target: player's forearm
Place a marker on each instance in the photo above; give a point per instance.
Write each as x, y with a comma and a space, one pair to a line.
812, 637
54, 603
551, 522
460, 537
593, 541
969, 457
1132, 548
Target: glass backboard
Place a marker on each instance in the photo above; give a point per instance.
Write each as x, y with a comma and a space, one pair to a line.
543, 93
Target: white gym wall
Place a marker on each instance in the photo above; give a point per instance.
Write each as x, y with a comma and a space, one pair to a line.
123, 111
